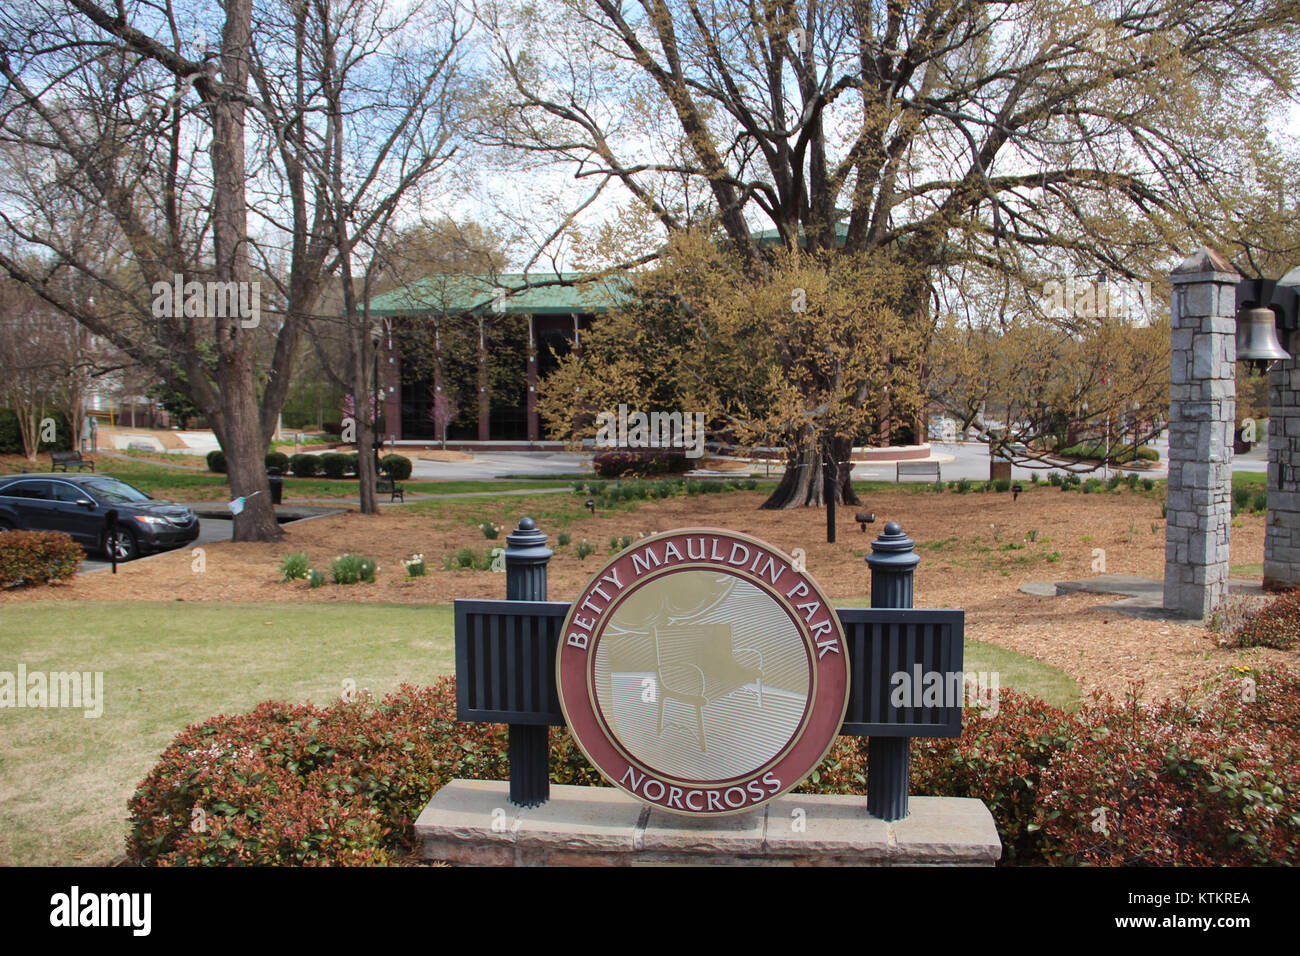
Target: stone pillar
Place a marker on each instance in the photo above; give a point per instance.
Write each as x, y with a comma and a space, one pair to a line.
1282, 529
1202, 408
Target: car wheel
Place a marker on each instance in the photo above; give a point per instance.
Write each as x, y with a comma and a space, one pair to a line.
126, 546
5, 526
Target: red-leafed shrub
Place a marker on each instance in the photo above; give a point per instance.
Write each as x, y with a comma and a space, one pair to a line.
1211, 779
38, 557
305, 785
999, 760
615, 464
1210, 782
1275, 625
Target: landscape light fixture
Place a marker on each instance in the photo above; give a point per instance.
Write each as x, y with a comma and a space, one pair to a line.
591, 506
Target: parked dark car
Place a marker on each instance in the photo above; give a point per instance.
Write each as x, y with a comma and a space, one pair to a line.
79, 505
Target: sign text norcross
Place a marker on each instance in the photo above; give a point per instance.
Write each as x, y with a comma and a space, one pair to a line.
702, 673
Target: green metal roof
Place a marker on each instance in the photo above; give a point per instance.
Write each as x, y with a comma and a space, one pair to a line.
524, 294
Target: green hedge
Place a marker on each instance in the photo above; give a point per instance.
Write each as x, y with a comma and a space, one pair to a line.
396, 467
333, 464
11, 438
304, 466
1118, 453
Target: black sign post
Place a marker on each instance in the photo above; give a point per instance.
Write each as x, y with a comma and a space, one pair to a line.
893, 562
526, 557
110, 536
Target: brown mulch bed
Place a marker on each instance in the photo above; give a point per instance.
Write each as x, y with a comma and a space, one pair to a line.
976, 551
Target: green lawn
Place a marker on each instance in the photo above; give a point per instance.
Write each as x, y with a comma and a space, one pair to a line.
65, 779
1025, 674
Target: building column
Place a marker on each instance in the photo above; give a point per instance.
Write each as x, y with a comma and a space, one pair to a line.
392, 384
1202, 409
484, 403
534, 432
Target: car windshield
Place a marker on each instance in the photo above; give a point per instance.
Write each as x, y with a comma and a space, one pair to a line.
115, 492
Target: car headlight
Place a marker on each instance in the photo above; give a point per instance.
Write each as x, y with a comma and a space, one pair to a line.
151, 521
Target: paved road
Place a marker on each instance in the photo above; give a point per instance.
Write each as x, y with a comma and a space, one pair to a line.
210, 530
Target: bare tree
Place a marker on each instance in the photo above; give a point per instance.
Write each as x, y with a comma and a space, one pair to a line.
1020, 140
369, 154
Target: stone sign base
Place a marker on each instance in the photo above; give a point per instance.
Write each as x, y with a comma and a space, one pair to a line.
471, 822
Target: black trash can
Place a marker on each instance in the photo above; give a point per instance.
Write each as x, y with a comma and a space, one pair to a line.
277, 484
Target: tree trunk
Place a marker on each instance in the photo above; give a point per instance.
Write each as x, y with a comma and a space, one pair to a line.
803, 484
241, 427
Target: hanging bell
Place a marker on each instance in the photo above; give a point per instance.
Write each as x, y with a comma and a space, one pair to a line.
1257, 341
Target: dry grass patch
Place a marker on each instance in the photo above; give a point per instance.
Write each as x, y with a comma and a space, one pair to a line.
976, 551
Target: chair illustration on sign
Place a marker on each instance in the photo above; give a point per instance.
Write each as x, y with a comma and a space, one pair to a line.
698, 665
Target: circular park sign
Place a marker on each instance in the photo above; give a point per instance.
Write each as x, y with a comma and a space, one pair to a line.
701, 672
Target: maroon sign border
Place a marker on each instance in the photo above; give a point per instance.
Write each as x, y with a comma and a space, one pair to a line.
795, 591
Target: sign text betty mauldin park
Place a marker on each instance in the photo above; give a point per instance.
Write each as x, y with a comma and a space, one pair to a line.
705, 677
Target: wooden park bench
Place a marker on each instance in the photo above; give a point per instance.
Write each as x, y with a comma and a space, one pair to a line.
924, 469
69, 459
386, 484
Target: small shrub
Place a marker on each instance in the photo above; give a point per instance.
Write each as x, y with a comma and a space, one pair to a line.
294, 566
352, 466
415, 566
1148, 484
490, 530
315, 578
352, 569
585, 548
217, 461
937, 487
1240, 497
277, 459
963, 486
38, 557
1033, 478
749, 484
1002, 484
1055, 479
465, 558
1259, 502
564, 538
396, 467
304, 466
1276, 625
614, 546
333, 464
